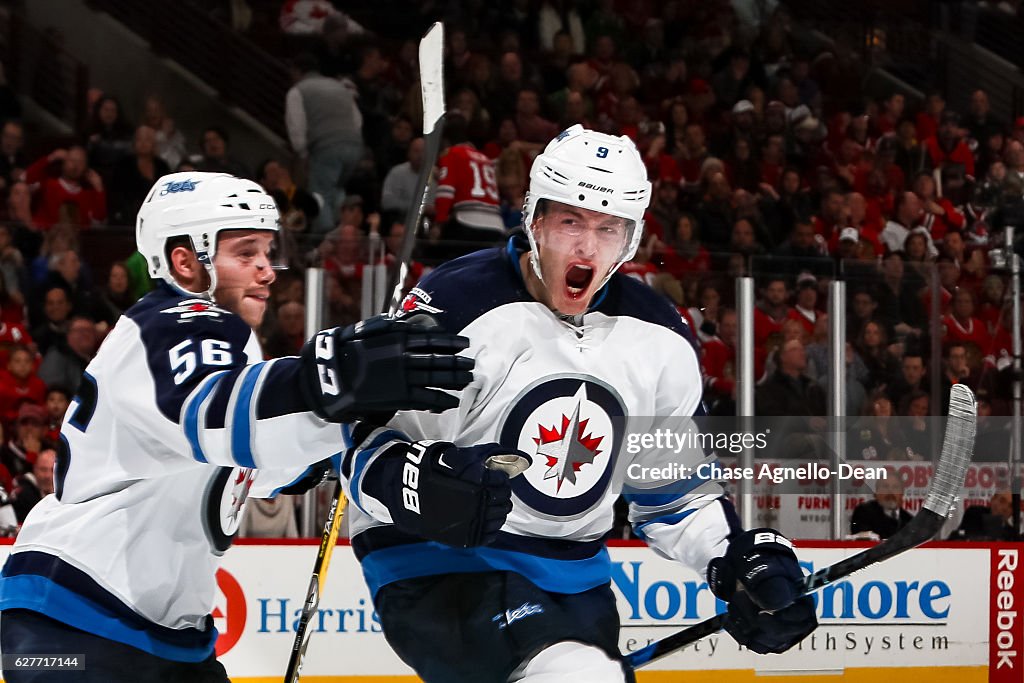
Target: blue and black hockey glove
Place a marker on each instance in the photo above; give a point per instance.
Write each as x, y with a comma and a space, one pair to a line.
444, 493
379, 366
760, 578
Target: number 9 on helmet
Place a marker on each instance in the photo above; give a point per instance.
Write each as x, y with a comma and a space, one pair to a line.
590, 170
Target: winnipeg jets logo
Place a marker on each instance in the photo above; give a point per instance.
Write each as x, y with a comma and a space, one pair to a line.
575, 426
569, 448
192, 308
416, 300
179, 186
510, 616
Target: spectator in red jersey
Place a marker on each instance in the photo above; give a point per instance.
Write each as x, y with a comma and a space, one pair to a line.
927, 121
684, 255
19, 383
769, 314
940, 215
13, 335
467, 206
76, 196
948, 146
19, 453
532, 126
692, 153
892, 112
831, 218
718, 361
961, 325
58, 399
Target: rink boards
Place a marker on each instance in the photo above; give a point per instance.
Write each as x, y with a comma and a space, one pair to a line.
951, 612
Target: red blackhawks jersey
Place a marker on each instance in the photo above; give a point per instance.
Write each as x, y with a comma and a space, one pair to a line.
467, 189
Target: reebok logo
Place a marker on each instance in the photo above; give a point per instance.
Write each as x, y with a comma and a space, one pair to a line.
596, 188
1006, 616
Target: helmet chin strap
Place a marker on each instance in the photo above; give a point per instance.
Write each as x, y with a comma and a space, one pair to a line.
204, 258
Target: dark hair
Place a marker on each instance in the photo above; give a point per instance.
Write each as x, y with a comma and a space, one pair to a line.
304, 62
214, 129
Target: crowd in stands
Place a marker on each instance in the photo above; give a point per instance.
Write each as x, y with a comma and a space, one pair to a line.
766, 154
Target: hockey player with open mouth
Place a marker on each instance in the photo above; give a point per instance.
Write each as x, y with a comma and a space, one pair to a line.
177, 421
481, 578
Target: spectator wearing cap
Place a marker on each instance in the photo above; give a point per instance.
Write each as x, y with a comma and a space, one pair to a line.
20, 452
805, 308
947, 146
19, 383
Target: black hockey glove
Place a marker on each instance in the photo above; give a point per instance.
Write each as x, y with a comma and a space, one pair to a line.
448, 494
760, 578
379, 366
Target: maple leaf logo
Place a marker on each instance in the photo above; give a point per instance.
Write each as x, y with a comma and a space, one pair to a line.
567, 448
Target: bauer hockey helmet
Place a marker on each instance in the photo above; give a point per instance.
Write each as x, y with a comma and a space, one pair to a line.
594, 171
199, 206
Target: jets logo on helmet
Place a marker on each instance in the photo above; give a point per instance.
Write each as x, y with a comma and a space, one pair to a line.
200, 206
179, 186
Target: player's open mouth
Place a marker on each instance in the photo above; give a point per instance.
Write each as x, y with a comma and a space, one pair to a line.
577, 279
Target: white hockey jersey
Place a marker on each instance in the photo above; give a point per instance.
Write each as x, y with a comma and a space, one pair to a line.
564, 395
177, 420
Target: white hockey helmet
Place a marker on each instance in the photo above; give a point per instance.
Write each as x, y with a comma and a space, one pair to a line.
199, 206
594, 171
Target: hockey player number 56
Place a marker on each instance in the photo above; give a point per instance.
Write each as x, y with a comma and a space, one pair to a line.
211, 352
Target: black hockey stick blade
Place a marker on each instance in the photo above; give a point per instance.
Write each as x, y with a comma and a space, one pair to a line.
957, 448
431, 56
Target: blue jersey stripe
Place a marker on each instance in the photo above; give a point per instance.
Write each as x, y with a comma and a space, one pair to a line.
241, 434
664, 519
363, 457
191, 417
429, 559
39, 594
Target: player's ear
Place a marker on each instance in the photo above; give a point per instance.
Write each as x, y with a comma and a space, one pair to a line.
186, 267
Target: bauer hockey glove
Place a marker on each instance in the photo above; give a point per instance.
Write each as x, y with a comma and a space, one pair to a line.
379, 366
760, 578
444, 493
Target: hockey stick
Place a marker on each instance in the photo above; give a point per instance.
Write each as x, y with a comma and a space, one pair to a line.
957, 448
432, 90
